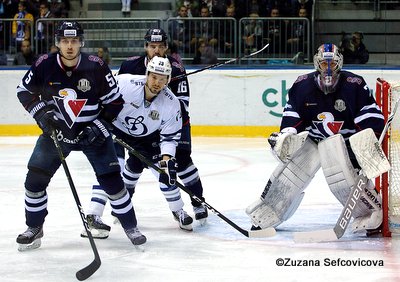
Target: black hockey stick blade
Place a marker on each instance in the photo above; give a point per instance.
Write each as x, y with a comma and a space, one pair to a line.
268, 232
87, 271
221, 63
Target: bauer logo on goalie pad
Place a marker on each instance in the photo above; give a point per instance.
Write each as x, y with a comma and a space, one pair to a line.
352, 202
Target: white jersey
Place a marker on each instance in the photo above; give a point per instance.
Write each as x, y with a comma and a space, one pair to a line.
140, 118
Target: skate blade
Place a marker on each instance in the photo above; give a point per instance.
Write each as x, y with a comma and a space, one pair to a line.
140, 248
96, 234
187, 228
26, 247
202, 221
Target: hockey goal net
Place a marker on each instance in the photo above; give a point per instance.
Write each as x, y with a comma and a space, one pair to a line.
387, 93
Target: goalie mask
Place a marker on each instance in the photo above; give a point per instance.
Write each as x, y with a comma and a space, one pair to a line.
328, 62
161, 66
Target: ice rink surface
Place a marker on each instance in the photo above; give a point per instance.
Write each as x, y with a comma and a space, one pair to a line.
234, 172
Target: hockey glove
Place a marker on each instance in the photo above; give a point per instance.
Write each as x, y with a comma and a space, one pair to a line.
95, 134
168, 177
44, 116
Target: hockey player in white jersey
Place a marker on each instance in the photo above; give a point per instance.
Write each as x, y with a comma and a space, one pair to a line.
151, 123
325, 109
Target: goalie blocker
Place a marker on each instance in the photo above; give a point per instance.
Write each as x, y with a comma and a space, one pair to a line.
284, 191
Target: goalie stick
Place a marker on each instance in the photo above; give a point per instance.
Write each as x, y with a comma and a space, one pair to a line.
268, 232
87, 271
220, 63
345, 216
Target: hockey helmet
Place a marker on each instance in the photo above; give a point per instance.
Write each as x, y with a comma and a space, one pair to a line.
161, 66
69, 29
328, 61
155, 35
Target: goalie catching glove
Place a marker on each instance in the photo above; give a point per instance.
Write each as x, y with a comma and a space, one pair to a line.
95, 134
45, 117
285, 143
168, 177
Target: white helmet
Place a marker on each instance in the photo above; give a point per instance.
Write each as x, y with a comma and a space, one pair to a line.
328, 62
161, 66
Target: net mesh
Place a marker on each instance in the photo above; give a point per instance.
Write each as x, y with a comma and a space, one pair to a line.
394, 158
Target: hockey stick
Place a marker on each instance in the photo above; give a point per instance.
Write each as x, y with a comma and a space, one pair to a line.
268, 232
220, 63
345, 216
87, 271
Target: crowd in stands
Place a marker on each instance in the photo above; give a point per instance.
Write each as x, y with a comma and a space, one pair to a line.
188, 33
25, 14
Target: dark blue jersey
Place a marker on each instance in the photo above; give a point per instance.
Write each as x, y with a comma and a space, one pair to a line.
78, 94
351, 108
180, 87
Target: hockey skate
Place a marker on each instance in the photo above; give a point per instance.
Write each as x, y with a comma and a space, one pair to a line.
200, 214
185, 221
136, 237
30, 239
97, 227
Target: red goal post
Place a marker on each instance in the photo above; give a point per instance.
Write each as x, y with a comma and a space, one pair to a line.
389, 183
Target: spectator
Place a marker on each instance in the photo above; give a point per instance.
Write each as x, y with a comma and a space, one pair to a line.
59, 8
205, 55
275, 30
192, 7
353, 49
252, 34
45, 29
53, 49
297, 32
227, 38
174, 53
179, 31
26, 55
21, 26
104, 54
206, 30
126, 6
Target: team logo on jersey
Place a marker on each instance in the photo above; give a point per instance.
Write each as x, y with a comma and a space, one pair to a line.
84, 85
340, 105
69, 106
327, 125
154, 115
135, 125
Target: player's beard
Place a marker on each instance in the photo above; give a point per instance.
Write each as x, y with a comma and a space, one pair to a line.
153, 90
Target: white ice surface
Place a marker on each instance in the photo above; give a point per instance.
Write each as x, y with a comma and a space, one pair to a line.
234, 172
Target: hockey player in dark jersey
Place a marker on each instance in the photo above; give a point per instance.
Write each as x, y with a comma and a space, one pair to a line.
325, 108
73, 94
156, 45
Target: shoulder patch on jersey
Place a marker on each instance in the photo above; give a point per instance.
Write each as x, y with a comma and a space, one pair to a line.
132, 58
40, 59
94, 58
178, 66
301, 77
354, 80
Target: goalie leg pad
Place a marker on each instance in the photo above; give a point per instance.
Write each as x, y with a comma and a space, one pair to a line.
282, 194
341, 175
373, 219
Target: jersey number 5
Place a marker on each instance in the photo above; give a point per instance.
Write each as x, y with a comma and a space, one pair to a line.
110, 80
